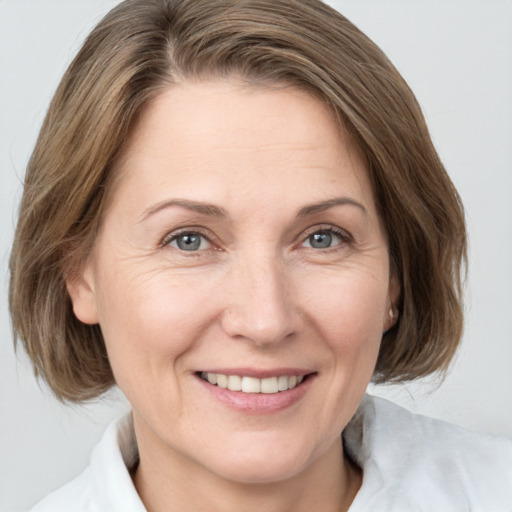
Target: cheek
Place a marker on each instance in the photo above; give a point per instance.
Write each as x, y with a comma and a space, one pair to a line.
348, 303
149, 319
349, 319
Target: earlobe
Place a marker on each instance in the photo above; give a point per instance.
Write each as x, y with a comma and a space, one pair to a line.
81, 290
391, 317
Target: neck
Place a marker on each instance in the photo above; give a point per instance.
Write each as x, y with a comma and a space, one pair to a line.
177, 483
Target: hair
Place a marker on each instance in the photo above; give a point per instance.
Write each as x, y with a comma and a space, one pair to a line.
141, 48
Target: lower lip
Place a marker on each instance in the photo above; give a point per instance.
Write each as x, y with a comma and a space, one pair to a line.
259, 403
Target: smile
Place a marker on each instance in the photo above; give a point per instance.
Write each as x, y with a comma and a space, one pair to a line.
245, 384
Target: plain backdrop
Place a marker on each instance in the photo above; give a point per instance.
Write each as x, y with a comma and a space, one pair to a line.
457, 57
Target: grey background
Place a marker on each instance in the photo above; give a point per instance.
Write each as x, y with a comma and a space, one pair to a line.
457, 57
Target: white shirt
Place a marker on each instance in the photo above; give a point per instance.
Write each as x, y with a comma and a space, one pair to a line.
410, 463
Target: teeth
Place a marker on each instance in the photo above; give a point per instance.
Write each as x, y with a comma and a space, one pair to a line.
222, 380
251, 385
269, 385
282, 383
235, 383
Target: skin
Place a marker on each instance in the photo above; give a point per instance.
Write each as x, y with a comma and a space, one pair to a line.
257, 293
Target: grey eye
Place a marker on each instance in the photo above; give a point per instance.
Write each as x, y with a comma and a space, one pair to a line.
323, 239
189, 242
320, 240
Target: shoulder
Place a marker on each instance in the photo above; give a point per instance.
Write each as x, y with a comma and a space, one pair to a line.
417, 463
105, 485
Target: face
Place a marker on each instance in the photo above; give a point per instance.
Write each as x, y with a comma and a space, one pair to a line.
241, 280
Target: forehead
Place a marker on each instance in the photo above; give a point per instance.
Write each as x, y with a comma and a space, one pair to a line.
226, 138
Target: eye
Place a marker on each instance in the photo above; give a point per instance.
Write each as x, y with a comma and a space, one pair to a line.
189, 241
324, 239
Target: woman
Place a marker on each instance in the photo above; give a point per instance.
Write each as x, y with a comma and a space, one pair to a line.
235, 213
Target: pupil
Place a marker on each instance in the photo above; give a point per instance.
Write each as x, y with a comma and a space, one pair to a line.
189, 242
320, 240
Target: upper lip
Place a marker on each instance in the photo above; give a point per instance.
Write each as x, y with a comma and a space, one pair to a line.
259, 373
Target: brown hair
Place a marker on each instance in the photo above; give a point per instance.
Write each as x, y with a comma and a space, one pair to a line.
143, 46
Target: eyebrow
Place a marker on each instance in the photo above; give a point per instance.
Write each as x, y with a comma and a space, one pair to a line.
216, 211
325, 205
194, 206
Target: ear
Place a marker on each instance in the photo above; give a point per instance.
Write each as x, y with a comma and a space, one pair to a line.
391, 313
81, 289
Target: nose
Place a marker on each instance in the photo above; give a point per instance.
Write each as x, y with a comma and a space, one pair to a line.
260, 305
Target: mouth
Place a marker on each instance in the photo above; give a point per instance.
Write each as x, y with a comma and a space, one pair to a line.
254, 385
260, 392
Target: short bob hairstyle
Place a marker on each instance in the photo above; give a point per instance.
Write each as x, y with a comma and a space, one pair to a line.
143, 47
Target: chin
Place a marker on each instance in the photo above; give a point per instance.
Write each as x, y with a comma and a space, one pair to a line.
260, 464
260, 472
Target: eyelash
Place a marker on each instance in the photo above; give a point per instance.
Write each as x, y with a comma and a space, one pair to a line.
186, 231
344, 236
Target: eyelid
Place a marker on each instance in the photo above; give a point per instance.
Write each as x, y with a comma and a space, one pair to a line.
342, 233
172, 235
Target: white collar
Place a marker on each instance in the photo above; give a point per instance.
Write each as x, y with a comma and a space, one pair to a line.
409, 463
